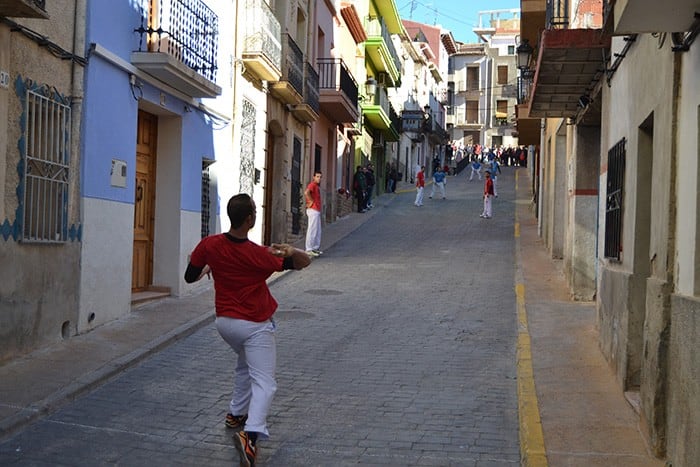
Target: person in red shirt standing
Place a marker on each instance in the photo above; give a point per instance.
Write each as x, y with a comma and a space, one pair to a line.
420, 185
312, 194
244, 309
488, 196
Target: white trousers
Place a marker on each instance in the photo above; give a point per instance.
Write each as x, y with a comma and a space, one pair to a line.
419, 196
313, 230
255, 383
475, 171
442, 189
488, 212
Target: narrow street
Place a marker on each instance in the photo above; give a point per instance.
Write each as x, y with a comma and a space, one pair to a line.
396, 347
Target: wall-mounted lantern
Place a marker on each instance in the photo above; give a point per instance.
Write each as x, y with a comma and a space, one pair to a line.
524, 52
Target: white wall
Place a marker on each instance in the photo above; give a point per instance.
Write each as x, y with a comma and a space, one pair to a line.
108, 245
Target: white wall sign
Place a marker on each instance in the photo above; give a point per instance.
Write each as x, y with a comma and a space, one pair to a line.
4, 79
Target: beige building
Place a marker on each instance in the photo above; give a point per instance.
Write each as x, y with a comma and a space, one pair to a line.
483, 83
613, 87
42, 64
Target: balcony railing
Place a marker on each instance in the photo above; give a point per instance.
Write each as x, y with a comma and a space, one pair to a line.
334, 75
292, 64
187, 30
376, 27
311, 87
262, 43
557, 14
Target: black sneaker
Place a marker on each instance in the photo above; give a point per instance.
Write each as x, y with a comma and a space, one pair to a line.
246, 449
235, 421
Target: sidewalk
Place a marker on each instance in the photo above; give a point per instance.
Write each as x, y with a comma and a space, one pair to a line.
585, 418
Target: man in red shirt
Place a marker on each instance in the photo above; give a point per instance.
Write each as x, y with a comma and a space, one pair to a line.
488, 195
244, 309
420, 185
312, 195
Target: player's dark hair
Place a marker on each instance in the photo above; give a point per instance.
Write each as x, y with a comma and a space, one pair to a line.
239, 208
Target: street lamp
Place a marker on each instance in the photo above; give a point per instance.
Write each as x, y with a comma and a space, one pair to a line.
370, 87
524, 52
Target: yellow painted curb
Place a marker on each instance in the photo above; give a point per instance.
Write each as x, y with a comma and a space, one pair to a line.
532, 450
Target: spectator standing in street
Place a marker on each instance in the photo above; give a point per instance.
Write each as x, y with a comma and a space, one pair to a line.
420, 185
439, 181
359, 185
488, 195
244, 309
476, 169
495, 170
312, 195
370, 180
392, 179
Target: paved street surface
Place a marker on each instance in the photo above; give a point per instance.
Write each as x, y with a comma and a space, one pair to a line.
396, 347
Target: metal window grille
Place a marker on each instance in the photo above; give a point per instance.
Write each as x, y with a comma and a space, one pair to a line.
247, 174
206, 197
296, 197
46, 169
613, 208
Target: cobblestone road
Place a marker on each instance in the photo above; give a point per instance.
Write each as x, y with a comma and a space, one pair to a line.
396, 347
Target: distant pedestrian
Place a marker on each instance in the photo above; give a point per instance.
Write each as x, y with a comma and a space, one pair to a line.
312, 195
359, 186
476, 169
495, 170
420, 185
244, 309
370, 180
488, 195
392, 179
439, 180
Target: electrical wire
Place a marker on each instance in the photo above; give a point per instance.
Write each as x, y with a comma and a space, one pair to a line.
43, 41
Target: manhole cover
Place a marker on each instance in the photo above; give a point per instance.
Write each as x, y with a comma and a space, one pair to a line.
323, 292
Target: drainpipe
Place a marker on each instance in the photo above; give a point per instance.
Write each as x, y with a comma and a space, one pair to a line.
76, 86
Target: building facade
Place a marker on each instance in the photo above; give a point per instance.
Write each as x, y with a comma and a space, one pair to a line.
42, 63
618, 194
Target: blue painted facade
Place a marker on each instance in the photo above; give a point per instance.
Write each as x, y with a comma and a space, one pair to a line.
117, 88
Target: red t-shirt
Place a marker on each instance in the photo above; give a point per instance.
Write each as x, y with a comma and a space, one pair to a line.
488, 187
315, 192
420, 179
240, 269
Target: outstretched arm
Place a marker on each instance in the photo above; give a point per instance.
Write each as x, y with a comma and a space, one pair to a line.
299, 258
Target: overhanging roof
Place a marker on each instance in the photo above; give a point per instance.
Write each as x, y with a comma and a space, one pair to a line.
569, 64
637, 16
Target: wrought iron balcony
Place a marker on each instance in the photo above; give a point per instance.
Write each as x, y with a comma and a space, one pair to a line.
179, 45
557, 14
338, 91
309, 109
393, 132
290, 87
380, 48
375, 109
24, 8
262, 43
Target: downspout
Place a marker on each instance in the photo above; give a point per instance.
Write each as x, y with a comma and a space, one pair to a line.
77, 91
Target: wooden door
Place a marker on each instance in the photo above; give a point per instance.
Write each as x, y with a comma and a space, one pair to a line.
144, 201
